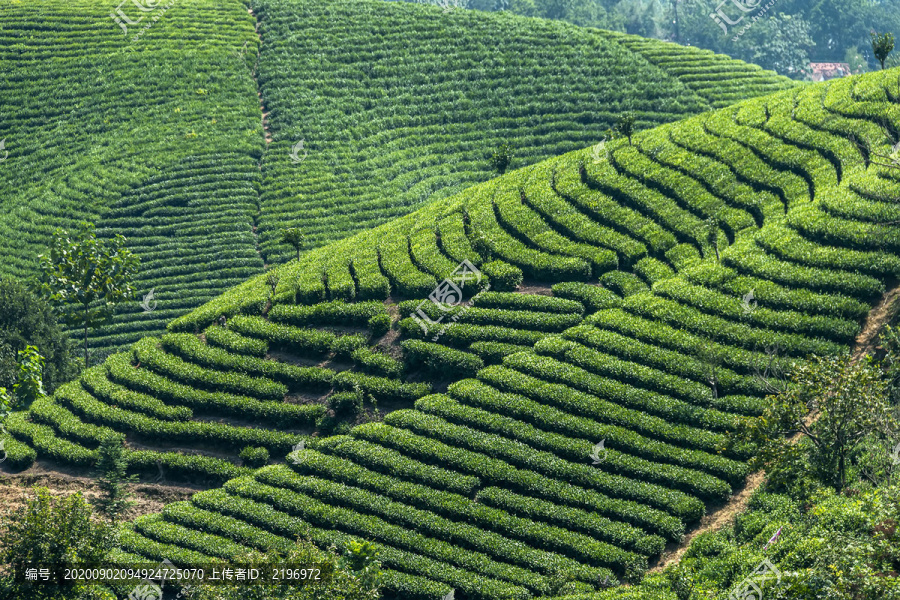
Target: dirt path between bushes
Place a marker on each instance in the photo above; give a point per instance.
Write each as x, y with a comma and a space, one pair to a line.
720, 516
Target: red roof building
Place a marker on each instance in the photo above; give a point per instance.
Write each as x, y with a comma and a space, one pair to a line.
826, 71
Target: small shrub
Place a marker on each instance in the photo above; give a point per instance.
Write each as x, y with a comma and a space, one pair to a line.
504, 277
346, 345
346, 404
254, 457
379, 325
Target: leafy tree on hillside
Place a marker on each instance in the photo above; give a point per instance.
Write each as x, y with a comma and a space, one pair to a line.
882, 46
112, 477
501, 158
86, 277
625, 126
29, 385
52, 532
834, 404
294, 236
27, 320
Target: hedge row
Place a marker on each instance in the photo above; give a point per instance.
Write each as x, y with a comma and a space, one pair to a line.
576, 225
380, 387
519, 455
661, 335
536, 510
662, 382
715, 275
459, 508
524, 223
372, 528
374, 362
465, 334
733, 308
460, 532
96, 382
673, 363
496, 472
19, 456
191, 349
623, 284
600, 203
608, 399
189, 516
148, 355
528, 302
306, 342
392, 463
493, 352
439, 360
286, 415
518, 319
593, 297
157, 529
490, 237
477, 394
235, 342
746, 257
236, 438
393, 256
575, 450
717, 328
268, 518
328, 313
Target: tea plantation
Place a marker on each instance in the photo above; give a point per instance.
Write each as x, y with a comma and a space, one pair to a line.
614, 305
157, 135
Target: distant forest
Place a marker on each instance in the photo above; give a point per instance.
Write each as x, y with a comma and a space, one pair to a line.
785, 34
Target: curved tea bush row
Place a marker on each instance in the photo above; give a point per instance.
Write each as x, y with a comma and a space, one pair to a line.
477, 394
458, 508
121, 371
517, 454
234, 341
328, 313
575, 450
147, 353
593, 297
583, 393
96, 382
390, 462
529, 302
460, 533
654, 380
668, 361
191, 349
496, 472
440, 360
324, 515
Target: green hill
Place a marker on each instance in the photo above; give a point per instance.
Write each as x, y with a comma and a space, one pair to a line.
486, 475
161, 139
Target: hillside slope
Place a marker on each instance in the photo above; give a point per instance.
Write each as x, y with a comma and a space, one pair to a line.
486, 475
161, 138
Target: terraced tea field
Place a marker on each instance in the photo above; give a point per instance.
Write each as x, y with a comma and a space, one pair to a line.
486, 475
161, 138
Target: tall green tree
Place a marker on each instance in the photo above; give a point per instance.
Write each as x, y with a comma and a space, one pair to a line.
834, 404
86, 277
57, 532
27, 320
882, 46
112, 477
294, 236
